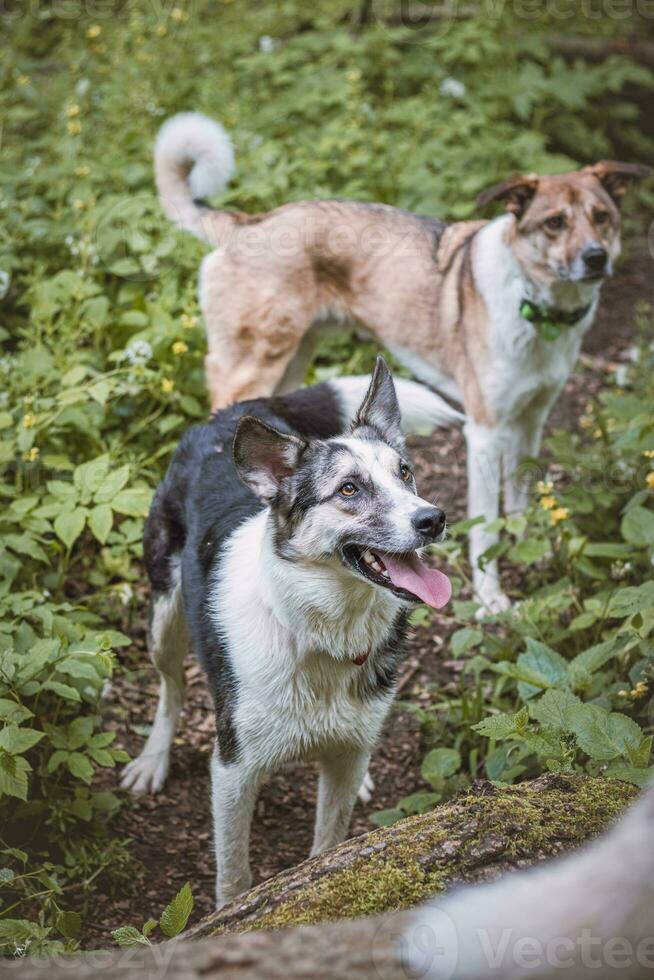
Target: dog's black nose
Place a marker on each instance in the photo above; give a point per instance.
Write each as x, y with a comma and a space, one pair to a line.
595, 258
429, 522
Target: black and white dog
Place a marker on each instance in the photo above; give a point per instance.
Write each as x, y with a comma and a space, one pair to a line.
283, 546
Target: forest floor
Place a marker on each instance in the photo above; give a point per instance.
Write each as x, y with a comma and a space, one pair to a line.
170, 834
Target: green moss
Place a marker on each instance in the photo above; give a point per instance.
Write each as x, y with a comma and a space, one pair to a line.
469, 838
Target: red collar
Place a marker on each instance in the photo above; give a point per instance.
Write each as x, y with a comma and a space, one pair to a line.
361, 659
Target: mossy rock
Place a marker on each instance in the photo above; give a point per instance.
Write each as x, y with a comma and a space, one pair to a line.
474, 837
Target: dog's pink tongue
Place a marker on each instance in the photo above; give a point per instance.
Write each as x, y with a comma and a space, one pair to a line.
410, 573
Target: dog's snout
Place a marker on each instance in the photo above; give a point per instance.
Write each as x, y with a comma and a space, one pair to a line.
429, 522
595, 258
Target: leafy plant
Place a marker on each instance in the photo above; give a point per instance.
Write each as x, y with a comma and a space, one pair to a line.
171, 922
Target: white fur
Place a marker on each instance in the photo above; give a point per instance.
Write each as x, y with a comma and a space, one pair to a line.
169, 643
588, 915
291, 632
422, 410
193, 158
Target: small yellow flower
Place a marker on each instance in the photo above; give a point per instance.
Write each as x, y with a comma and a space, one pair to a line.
29, 421
74, 128
649, 480
188, 322
167, 385
72, 111
648, 453
559, 514
585, 422
179, 347
178, 14
548, 503
82, 171
93, 31
354, 75
640, 690
79, 204
544, 487
23, 80
162, 30
32, 455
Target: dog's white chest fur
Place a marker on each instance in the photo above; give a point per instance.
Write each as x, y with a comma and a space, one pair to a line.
522, 366
298, 688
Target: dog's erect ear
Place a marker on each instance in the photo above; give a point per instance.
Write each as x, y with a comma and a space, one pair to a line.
380, 408
515, 191
264, 457
617, 177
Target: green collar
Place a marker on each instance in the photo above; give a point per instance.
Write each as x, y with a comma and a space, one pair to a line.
548, 320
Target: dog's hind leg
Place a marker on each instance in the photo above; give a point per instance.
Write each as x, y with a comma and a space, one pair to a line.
169, 643
340, 778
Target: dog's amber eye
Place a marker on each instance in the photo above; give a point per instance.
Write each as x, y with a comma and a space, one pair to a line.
405, 472
601, 217
555, 222
348, 490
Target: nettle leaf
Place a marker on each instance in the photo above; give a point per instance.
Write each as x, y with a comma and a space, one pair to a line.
15, 740
503, 725
596, 656
603, 735
68, 527
175, 916
101, 520
553, 709
632, 599
127, 936
13, 776
114, 481
439, 764
629, 774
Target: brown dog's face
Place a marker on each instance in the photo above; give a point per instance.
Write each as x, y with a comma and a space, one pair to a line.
567, 226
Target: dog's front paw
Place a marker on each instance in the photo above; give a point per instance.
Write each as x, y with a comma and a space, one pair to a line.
366, 789
146, 774
493, 601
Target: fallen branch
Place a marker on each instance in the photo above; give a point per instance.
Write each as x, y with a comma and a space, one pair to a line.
471, 838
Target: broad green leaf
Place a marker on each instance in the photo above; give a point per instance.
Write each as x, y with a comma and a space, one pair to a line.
545, 667
80, 766
596, 656
632, 599
638, 526
419, 802
69, 526
63, 690
529, 551
629, 774
12, 711
439, 764
465, 639
16, 740
135, 501
88, 477
501, 726
69, 924
602, 735
385, 818
175, 916
552, 710
114, 481
13, 776
101, 519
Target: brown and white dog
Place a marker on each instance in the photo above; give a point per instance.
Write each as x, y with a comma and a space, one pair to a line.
490, 313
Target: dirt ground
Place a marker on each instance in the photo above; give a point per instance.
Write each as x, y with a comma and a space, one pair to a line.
170, 834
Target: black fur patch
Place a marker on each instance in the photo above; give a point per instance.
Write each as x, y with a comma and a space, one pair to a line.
382, 677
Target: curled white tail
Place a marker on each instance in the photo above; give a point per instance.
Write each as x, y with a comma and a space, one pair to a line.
193, 158
422, 409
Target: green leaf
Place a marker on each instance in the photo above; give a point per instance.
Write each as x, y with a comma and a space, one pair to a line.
135, 502
127, 936
497, 726
632, 599
69, 924
80, 767
63, 690
439, 764
602, 735
629, 774
529, 551
13, 712
114, 481
88, 477
638, 526
68, 527
553, 709
420, 802
596, 656
16, 740
465, 639
149, 926
545, 667
175, 916
13, 776
101, 520
384, 818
